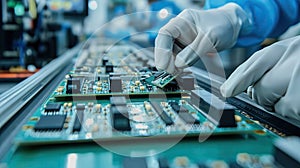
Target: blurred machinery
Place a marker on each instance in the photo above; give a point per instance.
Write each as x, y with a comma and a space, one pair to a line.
33, 32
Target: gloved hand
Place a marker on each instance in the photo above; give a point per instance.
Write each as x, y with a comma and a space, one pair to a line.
200, 32
274, 73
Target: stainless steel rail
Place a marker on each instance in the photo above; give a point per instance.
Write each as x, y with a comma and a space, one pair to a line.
14, 99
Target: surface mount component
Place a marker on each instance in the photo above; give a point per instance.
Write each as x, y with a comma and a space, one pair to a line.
217, 111
163, 115
52, 107
50, 123
115, 84
73, 86
78, 121
120, 118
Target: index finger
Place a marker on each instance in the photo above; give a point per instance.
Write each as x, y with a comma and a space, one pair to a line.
164, 43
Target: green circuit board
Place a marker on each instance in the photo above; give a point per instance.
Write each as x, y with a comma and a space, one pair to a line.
117, 119
115, 93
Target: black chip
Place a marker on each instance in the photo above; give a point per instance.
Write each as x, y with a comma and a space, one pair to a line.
167, 119
51, 107
163, 115
175, 106
115, 84
109, 68
105, 60
188, 118
120, 120
73, 86
219, 113
178, 108
78, 120
118, 101
50, 123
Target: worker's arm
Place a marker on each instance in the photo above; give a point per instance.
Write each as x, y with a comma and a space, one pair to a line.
243, 23
270, 18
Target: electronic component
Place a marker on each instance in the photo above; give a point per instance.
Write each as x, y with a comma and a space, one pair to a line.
50, 123
120, 118
163, 115
104, 60
115, 84
188, 118
186, 82
109, 68
160, 79
78, 121
183, 113
177, 108
73, 86
52, 107
217, 111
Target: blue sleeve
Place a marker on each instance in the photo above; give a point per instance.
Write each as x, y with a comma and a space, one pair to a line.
270, 18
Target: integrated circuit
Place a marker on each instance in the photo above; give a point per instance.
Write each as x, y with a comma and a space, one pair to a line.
52, 107
50, 123
78, 120
73, 86
216, 110
163, 115
120, 118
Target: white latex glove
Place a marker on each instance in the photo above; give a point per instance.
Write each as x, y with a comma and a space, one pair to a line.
274, 73
203, 32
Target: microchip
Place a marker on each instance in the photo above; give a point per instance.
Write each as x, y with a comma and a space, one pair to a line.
178, 108
50, 123
109, 68
115, 84
188, 118
216, 109
120, 118
73, 86
163, 115
78, 120
52, 107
